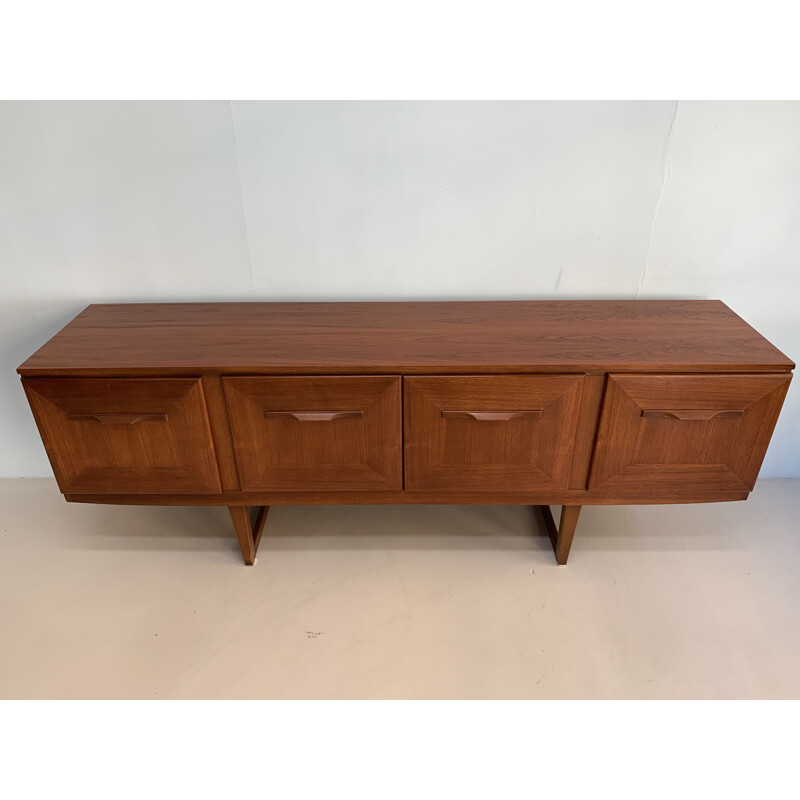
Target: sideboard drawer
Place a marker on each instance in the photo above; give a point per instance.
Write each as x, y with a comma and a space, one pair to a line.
490, 433
673, 435
125, 435
316, 433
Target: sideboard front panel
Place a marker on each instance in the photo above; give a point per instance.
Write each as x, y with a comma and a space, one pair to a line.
316, 433
490, 433
136, 436
667, 435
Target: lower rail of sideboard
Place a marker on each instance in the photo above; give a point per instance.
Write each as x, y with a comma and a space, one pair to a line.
580, 498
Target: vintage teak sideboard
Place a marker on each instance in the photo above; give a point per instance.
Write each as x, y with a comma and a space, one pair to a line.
249, 405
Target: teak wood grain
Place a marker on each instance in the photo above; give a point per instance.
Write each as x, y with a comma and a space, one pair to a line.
125, 434
490, 433
567, 403
407, 338
316, 433
688, 432
221, 432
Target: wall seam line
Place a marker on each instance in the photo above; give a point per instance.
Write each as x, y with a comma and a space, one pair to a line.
660, 197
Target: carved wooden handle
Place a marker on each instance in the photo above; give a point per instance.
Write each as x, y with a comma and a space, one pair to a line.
492, 416
687, 414
117, 419
314, 416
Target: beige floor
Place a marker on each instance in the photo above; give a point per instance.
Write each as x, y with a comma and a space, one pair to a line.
399, 602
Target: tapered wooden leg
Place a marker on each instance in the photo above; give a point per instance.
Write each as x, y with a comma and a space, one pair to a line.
248, 533
561, 537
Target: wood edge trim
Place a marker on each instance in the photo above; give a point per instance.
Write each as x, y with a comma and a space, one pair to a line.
397, 370
394, 497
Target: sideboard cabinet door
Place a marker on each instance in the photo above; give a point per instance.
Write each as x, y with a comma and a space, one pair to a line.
125, 435
321, 433
665, 436
490, 433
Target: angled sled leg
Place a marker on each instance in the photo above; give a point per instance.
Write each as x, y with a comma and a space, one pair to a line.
561, 537
248, 534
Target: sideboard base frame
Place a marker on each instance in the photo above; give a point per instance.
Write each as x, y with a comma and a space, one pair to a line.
248, 532
249, 526
561, 536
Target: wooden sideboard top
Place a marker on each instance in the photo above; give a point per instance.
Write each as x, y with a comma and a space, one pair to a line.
407, 337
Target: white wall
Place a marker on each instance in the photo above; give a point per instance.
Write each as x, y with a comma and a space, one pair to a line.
182, 201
